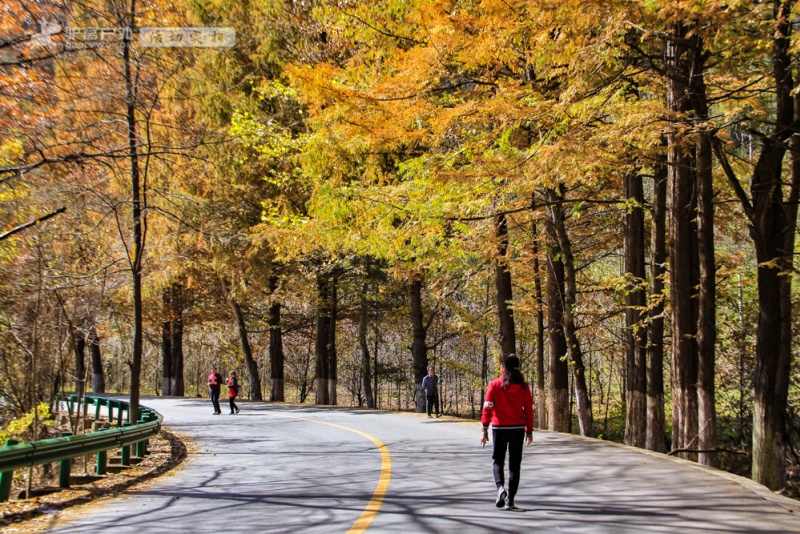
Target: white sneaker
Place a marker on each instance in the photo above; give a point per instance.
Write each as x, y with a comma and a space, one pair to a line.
501, 497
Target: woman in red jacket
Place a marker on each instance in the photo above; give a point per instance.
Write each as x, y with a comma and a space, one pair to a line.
233, 392
509, 408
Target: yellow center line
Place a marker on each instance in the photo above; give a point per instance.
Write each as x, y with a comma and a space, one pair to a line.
374, 504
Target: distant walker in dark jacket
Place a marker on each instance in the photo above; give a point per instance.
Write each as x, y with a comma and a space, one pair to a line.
431, 386
509, 409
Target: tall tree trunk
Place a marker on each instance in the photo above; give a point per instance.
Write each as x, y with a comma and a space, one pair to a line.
706, 322
582, 400
332, 356
375, 388
773, 238
787, 266
656, 419
771, 233
276, 357
635, 302
419, 349
252, 366
769, 399
304, 386
166, 343
323, 338
770, 219
484, 367
537, 286
505, 313
176, 346
485, 349
366, 375
253, 376
684, 275
79, 350
558, 379
137, 216
98, 374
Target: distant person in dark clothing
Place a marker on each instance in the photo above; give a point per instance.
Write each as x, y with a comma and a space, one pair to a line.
431, 386
214, 385
509, 409
233, 392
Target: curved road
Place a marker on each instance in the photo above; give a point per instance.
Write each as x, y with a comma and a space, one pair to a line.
276, 468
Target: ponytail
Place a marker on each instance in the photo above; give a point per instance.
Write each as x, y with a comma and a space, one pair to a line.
512, 374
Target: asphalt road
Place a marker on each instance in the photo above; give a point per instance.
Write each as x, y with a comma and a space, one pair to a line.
275, 468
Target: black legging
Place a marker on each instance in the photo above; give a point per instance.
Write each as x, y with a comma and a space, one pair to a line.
511, 439
431, 403
233, 404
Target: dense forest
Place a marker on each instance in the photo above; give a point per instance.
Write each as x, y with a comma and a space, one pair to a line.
351, 191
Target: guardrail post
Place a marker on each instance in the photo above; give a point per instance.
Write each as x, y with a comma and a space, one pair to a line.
77, 425
68, 400
125, 455
141, 446
64, 467
75, 402
6, 477
101, 464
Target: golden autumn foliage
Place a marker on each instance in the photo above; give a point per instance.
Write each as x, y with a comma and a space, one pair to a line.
341, 135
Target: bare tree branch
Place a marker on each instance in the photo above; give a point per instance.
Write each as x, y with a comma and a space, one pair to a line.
34, 222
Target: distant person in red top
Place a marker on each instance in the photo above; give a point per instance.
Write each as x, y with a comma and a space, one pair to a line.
509, 408
233, 392
214, 385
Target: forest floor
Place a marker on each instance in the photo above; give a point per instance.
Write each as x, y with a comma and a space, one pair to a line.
793, 483
740, 464
165, 452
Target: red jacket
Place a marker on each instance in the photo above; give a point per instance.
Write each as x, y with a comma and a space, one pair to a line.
232, 383
509, 407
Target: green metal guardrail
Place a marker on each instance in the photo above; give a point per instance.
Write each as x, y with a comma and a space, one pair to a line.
18, 455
